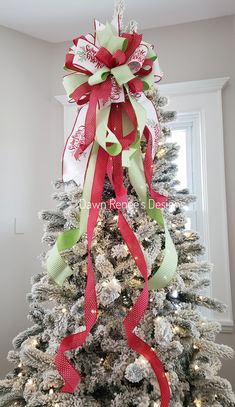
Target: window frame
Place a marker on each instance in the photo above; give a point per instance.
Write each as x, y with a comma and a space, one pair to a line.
203, 99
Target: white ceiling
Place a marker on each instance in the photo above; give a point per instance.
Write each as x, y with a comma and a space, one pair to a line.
61, 20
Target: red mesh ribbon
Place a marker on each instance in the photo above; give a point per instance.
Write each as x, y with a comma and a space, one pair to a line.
70, 375
138, 309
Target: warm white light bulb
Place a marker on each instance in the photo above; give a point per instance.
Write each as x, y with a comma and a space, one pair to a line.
176, 329
34, 342
51, 391
196, 367
64, 310
198, 403
174, 294
30, 381
20, 374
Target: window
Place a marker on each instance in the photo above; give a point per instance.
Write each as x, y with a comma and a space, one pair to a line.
199, 132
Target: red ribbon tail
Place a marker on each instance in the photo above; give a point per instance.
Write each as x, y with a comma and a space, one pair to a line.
135, 314
70, 375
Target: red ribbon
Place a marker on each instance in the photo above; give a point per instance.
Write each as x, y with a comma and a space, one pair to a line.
138, 309
70, 375
113, 167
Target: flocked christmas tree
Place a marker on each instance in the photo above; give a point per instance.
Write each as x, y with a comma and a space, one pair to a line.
113, 374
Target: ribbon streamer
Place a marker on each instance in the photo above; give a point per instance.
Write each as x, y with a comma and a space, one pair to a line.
107, 74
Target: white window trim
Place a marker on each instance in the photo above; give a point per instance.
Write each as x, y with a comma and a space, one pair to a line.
202, 97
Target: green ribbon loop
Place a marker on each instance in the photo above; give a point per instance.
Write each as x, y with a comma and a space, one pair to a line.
167, 269
102, 118
99, 76
57, 269
73, 81
148, 81
109, 39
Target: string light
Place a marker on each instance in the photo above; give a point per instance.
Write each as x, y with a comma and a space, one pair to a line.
161, 152
34, 342
20, 374
64, 310
51, 391
196, 367
174, 294
198, 403
20, 364
56, 405
93, 311
176, 329
195, 346
30, 382
156, 404
176, 311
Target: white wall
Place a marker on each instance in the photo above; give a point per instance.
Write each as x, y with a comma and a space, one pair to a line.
29, 160
191, 51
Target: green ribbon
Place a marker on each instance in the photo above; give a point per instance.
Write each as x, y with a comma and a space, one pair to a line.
102, 118
57, 268
109, 39
165, 273
73, 81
